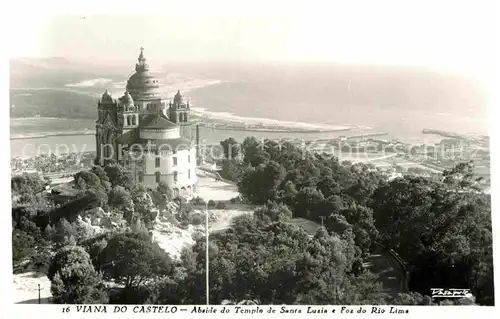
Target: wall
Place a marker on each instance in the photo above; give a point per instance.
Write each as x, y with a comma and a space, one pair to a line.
167, 168
156, 134
155, 104
188, 131
128, 137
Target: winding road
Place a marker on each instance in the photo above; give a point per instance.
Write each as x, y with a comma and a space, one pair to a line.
389, 273
380, 262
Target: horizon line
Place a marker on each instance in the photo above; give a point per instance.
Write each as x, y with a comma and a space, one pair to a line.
383, 64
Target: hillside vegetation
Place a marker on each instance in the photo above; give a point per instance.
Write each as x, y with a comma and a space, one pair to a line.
441, 227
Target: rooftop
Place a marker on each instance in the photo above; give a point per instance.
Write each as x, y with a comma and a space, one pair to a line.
155, 121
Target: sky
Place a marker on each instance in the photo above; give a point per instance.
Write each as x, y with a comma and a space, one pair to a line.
456, 35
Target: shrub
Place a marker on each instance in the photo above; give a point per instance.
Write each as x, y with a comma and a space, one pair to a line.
179, 200
211, 204
187, 208
196, 219
220, 205
198, 201
22, 246
77, 284
41, 260
236, 200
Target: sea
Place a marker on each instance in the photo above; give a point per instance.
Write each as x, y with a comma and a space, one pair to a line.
400, 102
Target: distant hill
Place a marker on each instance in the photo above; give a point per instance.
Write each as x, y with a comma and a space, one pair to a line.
46, 63
52, 103
38, 87
54, 72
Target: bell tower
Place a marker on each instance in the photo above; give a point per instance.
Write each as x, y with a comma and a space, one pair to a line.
127, 118
179, 113
105, 124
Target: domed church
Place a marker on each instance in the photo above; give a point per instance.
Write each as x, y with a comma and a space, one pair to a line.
148, 135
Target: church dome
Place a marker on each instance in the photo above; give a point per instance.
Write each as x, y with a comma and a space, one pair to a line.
142, 85
106, 97
178, 99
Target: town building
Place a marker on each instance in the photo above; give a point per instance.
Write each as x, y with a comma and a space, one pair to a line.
147, 134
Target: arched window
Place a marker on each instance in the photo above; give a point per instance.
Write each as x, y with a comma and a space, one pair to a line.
128, 120
175, 176
133, 120
141, 177
108, 146
158, 176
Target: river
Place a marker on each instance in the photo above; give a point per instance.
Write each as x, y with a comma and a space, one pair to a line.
33, 146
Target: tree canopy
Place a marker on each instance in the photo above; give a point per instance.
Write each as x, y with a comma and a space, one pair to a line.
439, 227
134, 258
74, 279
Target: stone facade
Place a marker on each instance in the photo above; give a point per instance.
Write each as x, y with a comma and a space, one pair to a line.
148, 135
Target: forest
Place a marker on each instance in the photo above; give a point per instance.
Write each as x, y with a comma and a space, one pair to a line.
439, 227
